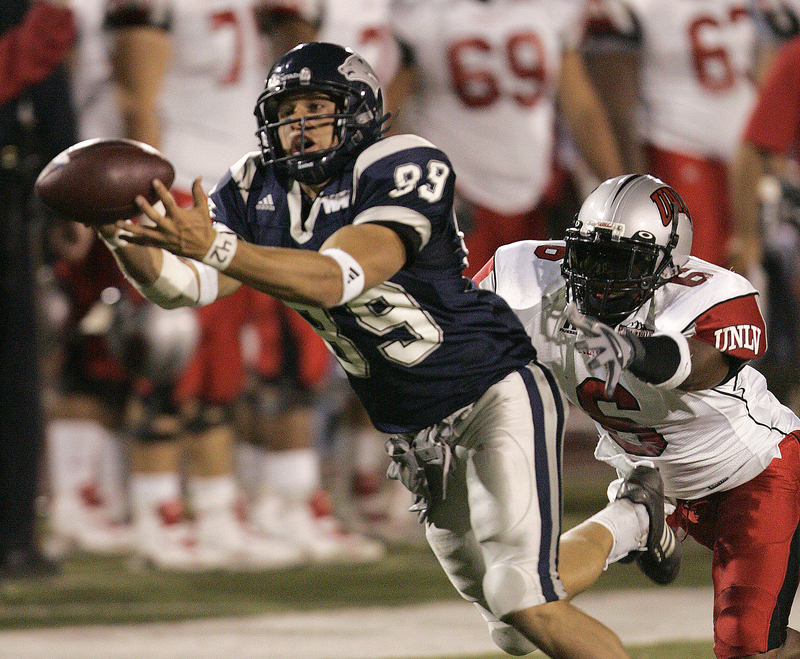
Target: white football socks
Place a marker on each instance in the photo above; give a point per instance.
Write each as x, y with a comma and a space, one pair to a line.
628, 523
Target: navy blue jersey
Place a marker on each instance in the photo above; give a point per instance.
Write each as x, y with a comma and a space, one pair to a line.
427, 341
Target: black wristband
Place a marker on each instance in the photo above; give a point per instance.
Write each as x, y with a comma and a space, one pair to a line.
656, 358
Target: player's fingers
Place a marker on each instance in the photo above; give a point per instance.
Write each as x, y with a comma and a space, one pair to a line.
199, 195
612, 380
578, 320
149, 210
141, 234
609, 388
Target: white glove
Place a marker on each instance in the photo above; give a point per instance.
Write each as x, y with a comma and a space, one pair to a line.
613, 351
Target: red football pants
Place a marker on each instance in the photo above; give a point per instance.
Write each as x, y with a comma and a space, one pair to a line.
752, 531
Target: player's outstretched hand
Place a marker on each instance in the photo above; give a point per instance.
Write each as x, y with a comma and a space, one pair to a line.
609, 348
182, 231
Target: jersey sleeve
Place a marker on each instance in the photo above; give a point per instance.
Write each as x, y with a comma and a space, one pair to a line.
714, 305
484, 278
774, 123
522, 271
228, 201
404, 180
735, 327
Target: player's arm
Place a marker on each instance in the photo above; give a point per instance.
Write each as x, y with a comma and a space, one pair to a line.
587, 119
664, 359
745, 248
611, 54
355, 258
162, 277
286, 24
615, 76
402, 85
710, 367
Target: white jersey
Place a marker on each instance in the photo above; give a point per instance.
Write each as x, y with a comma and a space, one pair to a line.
703, 441
697, 59
215, 76
95, 101
362, 25
488, 74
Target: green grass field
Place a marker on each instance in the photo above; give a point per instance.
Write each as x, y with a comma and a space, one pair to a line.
91, 590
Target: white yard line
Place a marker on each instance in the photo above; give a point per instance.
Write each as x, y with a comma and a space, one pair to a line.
443, 629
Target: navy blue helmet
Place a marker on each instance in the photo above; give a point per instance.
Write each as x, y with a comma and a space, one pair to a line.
349, 81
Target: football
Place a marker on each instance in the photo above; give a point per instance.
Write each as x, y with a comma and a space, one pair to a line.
96, 181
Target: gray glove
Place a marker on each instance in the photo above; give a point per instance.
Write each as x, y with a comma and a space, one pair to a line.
423, 466
608, 347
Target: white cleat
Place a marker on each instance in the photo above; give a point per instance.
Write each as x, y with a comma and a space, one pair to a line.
164, 540
82, 522
229, 544
321, 538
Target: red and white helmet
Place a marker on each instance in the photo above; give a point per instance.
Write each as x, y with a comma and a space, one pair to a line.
631, 236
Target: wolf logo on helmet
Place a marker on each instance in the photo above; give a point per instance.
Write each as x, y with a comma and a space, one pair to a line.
355, 67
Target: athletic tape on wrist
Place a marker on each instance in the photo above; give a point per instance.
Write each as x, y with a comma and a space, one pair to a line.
222, 250
176, 285
352, 274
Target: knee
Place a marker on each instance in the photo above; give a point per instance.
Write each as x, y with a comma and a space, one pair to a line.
507, 589
742, 622
506, 637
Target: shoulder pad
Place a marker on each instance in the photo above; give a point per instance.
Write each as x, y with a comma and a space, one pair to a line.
524, 271
698, 287
389, 146
244, 169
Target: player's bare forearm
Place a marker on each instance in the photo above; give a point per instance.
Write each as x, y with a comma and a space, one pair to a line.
587, 118
140, 58
142, 264
292, 275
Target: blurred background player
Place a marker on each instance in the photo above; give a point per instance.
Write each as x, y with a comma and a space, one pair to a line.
362, 24
678, 82
88, 389
489, 83
88, 386
186, 73
281, 459
765, 188
354, 461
